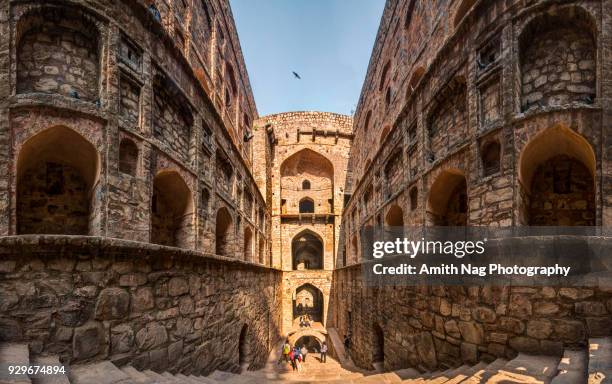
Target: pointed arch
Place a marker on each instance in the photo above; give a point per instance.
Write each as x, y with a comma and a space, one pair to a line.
447, 201
307, 250
308, 300
557, 178
57, 170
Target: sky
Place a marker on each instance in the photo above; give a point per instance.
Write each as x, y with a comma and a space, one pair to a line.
327, 42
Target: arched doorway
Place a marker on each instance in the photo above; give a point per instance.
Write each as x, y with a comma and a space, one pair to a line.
243, 348
308, 300
557, 178
57, 170
311, 343
307, 251
223, 232
171, 210
378, 346
448, 202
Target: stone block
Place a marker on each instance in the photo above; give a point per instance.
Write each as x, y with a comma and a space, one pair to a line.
113, 303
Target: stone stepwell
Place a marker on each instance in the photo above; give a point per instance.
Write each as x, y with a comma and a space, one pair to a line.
592, 366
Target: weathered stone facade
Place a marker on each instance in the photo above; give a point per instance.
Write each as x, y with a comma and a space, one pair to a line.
159, 308
114, 117
306, 158
498, 115
201, 232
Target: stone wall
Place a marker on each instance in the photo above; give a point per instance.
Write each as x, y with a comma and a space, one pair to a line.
156, 308
82, 77
433, 327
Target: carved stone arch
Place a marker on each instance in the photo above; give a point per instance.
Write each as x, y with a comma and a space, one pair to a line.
447, 203
59, 169
307, 250
557, 173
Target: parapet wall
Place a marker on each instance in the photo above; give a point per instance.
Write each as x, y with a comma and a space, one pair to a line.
94, 298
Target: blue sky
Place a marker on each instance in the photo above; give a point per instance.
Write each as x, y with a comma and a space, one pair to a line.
328, 42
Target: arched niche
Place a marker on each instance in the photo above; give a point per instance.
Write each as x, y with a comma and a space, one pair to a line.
248, 244
57, 170
223, 232
557, 179
394, 223
128, 157
58, 51
558, 58
447, 203
171, 210
307, 251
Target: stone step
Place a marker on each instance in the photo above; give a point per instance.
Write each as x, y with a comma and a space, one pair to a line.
463, 372
100, 373
600, 360
201, 379
137, 376
484, 373
527, 369
572, 368
53, 361
14, 354
230, 378
156, 376
175, 379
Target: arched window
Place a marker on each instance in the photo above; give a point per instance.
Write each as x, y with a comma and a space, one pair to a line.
307, 205
490, 158
128, 157
305, 185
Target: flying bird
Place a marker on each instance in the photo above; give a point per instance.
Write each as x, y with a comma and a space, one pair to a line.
296, 75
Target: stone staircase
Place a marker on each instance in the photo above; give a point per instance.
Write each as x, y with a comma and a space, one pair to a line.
575, 367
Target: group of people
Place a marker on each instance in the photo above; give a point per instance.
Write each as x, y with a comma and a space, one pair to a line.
305, 321
297, 356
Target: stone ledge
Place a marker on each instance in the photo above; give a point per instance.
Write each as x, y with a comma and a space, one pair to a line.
42, 243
